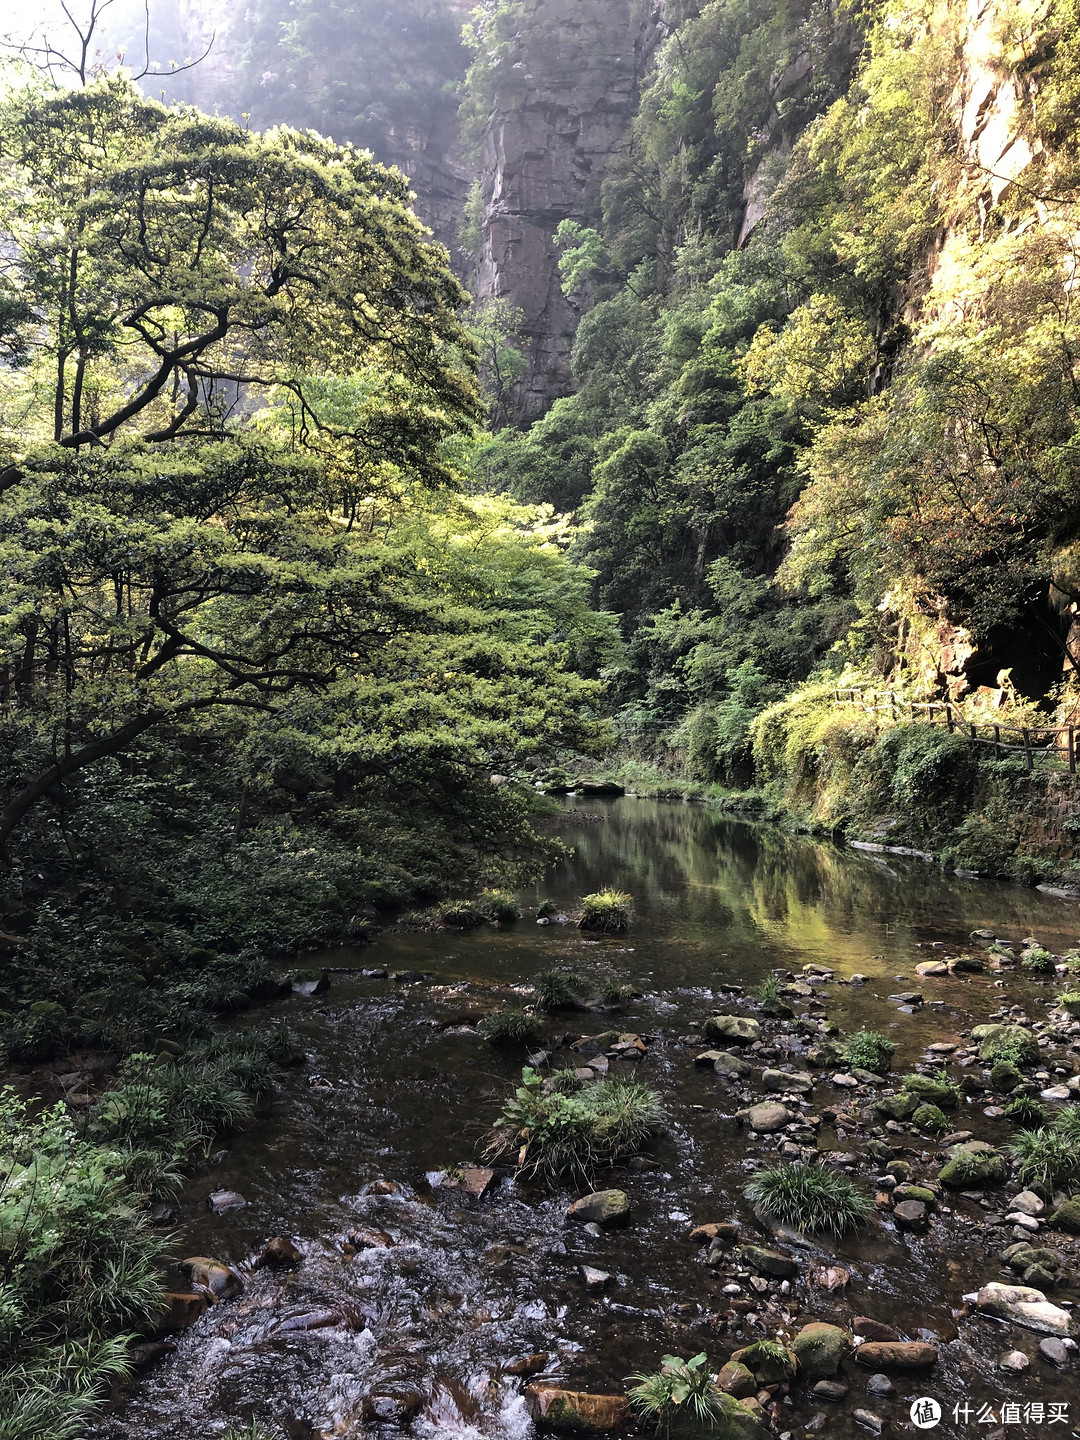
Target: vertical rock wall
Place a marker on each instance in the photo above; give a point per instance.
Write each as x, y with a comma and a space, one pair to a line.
564, 103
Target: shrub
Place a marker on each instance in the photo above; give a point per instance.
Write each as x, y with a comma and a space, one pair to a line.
768, 992
460, 915
78, 1262
1044, 1157
867, 1050
678, 1388
558, 989
606, 910
1069, 1001
810, 1197
500, 905
554, 1133
1025, 1111
511, 1027
546, 909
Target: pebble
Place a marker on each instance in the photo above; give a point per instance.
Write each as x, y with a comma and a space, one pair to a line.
1015, 1361
222, 1201
1056, 1092
868, 1420
1021, 1220
1054, 1350
846, 1080
881, 1386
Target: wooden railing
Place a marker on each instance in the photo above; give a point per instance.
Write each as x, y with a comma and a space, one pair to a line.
1057, 742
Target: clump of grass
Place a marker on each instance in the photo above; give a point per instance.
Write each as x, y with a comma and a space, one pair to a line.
1016, 1049
867, 1050
1044, 1157
511, 1027
500, 905
460, 914
1069, 1001
553, 1133
1067, 1124
810, 1197
679, 1388
1025, 1111
254, 1431
1072, 961
768, 992
557, 989
606, 910
612, 992
546, 909
1037, 960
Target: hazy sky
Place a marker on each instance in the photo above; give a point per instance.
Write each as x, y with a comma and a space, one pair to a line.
122, 23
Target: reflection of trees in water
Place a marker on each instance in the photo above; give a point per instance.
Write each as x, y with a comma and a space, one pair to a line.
731, 881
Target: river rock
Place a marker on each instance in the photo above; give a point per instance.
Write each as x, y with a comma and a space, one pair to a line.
912, 1215
182, 1308
279, 1253
881, 1386
392, 1404
603, 1207
768, 1262
1054, 1350
1067, 1217
362, 1239
932, 967
1027, 1202
707, 1057
735, 1379
733, 1029
222, 1201
527, 1364
897, 1355
731, 1067
898, 1107
987, 1037
723, 1230
219, 1280
973, 1164
820, 1349
595, 1280
868, 1420
873, 1329
576, 1411
768, 1117
781, 1082
1026, 1307
1014, 1361
829, 1390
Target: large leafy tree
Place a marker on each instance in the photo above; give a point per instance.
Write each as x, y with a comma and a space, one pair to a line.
235, 400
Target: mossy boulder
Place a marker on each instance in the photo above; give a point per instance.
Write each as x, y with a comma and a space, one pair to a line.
1067, 1216
820, 1350
972, 1165
930, 1120
1005, 1077
729, 1029
575, 1411
932, 1092
768, 1262
897, 1107
1019, 1041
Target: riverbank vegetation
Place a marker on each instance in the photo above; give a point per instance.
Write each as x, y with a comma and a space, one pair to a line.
823, 430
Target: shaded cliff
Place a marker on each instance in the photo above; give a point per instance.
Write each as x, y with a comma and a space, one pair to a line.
561, 81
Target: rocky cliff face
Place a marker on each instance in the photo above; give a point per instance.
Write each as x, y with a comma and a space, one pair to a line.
564, 100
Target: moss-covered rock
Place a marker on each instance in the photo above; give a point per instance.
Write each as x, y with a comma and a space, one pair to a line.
897, 1107
932, 1092
1067, 1216
930, 1120
820, 1350
970, 1167
1006, 1042
1005, 1077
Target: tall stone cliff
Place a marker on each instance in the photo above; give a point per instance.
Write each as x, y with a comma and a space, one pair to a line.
563, 104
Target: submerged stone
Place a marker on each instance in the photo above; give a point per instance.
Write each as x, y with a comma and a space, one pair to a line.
1026, 1307
740, 1029
602, 1207
576, 1411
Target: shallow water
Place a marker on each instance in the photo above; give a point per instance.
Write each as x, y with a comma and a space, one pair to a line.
398, 1085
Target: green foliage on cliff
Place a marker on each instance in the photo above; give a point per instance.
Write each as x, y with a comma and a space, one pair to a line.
826, 405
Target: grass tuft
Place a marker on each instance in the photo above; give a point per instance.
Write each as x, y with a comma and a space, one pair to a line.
557, 989
606, 910
511, 1027
500, 905
1046, 1156
810, 1197
1025, 1111
553, 1133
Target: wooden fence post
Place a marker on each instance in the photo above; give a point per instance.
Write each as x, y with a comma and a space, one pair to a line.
997, 742
1027, 748
1072, 751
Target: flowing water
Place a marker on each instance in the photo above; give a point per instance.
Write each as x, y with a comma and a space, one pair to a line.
398, 1085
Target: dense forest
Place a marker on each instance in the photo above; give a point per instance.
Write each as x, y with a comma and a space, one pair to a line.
305, 617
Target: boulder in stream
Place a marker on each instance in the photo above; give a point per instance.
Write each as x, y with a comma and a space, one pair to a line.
820, 1349
737, 1029
1026, 1307
213, 1277
603, 1207
576, 1411
897, 1355
768, 1117
279, 1253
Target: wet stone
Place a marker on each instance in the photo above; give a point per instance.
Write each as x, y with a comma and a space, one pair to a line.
912, 1215
881, 1386
576, 1410
278, 1253
1054, 1350
768, 1117
218, 1280
595, 1280
1014, 1361
820, 1350
182, 1309
737, 1029
768, 1262
829, 1390
897, 1355
222, 1201
868, 1420
603, 1207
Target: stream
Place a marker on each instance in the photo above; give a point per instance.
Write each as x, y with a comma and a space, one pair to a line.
431, 1335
